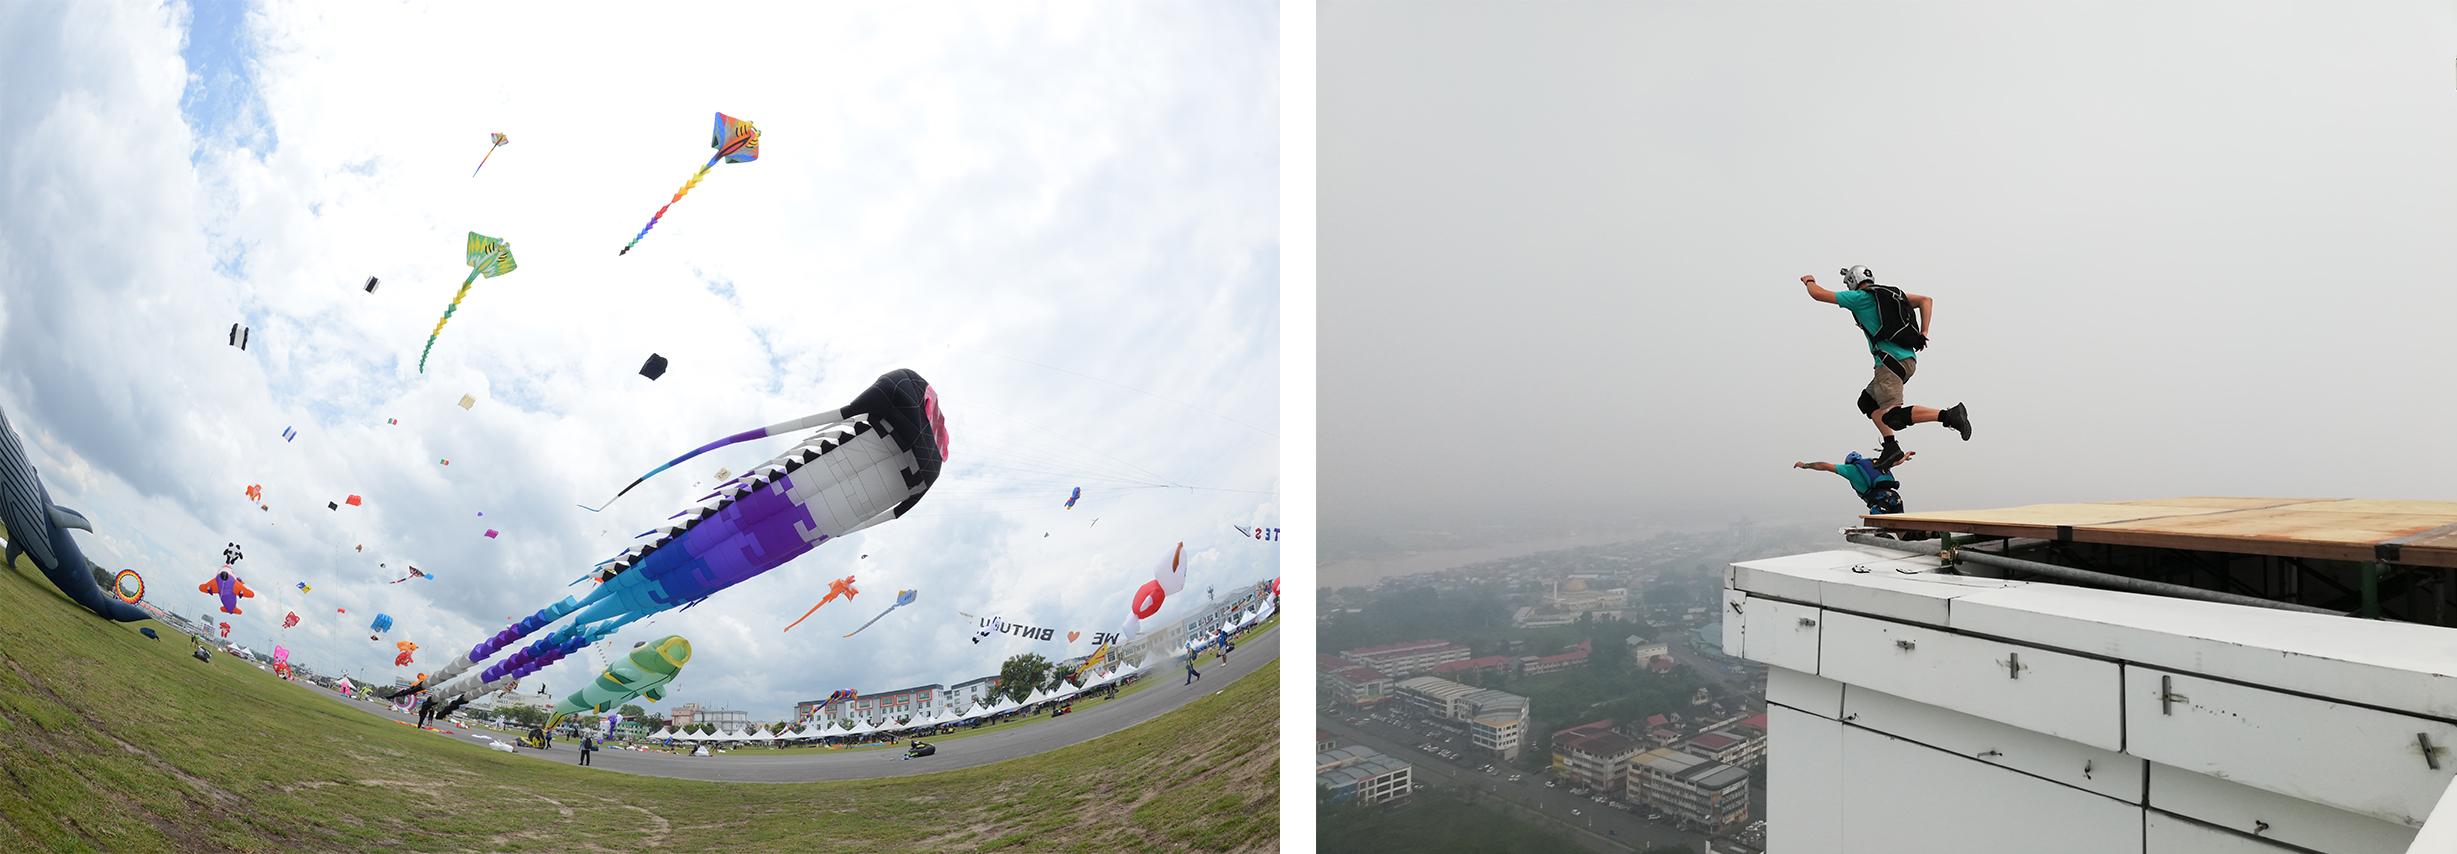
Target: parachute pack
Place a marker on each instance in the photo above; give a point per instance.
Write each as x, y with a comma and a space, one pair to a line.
1895, 324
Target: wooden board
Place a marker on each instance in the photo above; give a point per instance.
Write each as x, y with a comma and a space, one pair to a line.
2323, 528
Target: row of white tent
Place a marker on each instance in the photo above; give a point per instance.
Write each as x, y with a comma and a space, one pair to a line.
923, 721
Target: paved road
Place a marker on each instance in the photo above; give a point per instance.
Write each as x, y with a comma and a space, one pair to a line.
1631, 829
1166, 694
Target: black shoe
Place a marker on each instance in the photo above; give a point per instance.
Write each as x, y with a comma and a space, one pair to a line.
1957, 418
1889, 455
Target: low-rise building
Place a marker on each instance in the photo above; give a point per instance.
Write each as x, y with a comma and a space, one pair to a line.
1496, 721
917, 701
1492, 665
970, 693
1597, 760
1406, 659
1325, 742
1690, 788
1363, 774
1573, 658
1344, 681
1728, 748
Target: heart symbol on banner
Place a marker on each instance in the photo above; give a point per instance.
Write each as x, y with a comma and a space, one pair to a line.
1071, 636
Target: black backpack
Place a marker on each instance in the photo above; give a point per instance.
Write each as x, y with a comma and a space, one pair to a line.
1895, 323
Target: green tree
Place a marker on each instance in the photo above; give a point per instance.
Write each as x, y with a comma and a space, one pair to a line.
526, 716
1021, 674
102, 577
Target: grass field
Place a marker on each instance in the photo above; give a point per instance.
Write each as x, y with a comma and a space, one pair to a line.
113, 742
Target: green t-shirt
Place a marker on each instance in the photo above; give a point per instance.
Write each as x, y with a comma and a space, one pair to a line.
1863, 306
1859, 481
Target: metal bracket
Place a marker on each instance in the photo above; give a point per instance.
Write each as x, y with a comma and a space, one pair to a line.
2167, 697
1735, 606
2431, 755
2086, 769
1992, 753
1904, 644
1804, 621
2013, 665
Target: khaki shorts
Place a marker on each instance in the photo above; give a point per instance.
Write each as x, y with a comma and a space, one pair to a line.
1885, 389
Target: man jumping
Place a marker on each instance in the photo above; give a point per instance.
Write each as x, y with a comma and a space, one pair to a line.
1884, 315
1875, 485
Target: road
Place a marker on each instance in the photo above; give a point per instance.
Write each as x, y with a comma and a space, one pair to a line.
1168, 694
1558, 804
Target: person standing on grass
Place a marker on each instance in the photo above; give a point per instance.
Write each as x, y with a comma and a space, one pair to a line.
1886, 317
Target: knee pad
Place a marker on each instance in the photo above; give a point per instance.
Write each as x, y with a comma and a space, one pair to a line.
1899, 417
1868, 403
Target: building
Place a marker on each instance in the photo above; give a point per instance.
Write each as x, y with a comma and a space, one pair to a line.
2247, 675
1363, 774
917, 701
1690, 788
970, 693
1531, 617
1597, 604
725, 720
1496, 721
1491, 665
1324, 742
1574, 658
1407, 659
1643, 653
1343, 681
1594, 759
1728, 748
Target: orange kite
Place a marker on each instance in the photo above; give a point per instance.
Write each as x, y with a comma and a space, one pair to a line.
842, 586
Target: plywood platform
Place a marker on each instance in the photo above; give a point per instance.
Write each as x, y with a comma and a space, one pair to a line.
2414, 533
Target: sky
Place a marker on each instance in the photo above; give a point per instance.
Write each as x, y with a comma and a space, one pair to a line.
1064, 216
2174, 249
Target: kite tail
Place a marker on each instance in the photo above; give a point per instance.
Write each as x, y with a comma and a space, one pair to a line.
490, 153
678, 194
821, 419
448, 310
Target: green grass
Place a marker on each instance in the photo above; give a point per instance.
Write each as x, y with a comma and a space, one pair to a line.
113, 742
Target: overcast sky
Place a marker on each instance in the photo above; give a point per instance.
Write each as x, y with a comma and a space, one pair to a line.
2186, 249
1065, 217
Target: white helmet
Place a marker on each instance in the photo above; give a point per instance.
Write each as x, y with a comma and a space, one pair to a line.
1856, 276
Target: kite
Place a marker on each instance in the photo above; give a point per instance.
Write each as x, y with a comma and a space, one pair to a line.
654, 368
490, 533
643, 673
839, 587
305, 587
290, 434
229, 587
128, 586
488, 256
148, 632
500, 140
230, 553
331, 505
371, 284
903, 598
255, 492
290, 619
989, 626
406, 646
735, 140
402, 660
1259, 533
882, 453
352, 501
467, 401
238, 336
226, 630
1148, 600
445, 462
383, 623
1172, 571
1070, 500
414, 572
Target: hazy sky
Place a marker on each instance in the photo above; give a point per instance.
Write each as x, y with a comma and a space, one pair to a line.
2175, 250
1064, 216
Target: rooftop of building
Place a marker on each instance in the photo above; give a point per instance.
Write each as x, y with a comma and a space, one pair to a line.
2364, 557
1429, 643
1438, 686
878, 694
1603, 744
1363, 771
1471, 664
1714, 741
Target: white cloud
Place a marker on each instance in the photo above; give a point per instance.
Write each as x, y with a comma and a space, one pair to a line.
1064, 217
